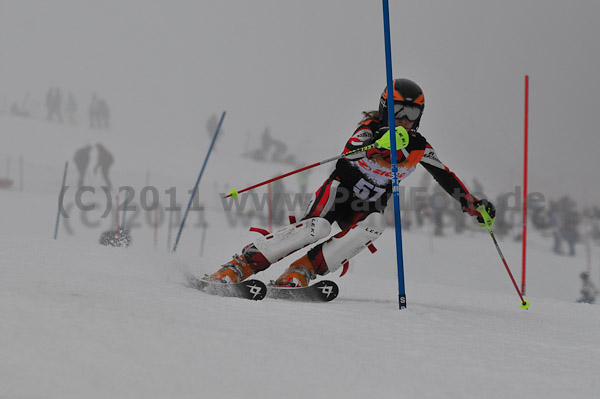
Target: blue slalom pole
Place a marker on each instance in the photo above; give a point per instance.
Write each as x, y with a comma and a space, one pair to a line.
60, 199
394, 156
212, 144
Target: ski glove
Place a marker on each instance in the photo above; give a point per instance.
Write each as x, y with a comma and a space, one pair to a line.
384, 142
382, 145
489, 207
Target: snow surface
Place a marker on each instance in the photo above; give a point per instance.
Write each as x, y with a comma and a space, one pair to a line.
79, 320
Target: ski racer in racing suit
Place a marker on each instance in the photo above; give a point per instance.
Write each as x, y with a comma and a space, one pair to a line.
354, 196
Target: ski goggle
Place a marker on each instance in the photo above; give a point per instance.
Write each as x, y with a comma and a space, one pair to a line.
407, 111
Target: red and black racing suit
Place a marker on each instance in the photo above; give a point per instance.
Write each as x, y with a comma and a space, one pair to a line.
360, 186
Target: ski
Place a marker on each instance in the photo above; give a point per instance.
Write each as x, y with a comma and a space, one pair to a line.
323, 291
250, 289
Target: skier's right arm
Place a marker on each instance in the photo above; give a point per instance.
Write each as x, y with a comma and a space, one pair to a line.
363, 136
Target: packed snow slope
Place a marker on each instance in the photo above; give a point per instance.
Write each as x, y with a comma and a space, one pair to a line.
82, 320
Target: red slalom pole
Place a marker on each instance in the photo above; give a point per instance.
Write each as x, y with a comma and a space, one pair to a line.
525, 185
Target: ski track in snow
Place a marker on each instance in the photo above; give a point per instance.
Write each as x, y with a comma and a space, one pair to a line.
96, 322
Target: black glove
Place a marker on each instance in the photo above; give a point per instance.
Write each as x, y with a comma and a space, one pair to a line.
489, 207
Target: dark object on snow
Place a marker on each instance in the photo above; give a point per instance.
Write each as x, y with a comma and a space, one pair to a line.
5, 182
588, 289
112, 238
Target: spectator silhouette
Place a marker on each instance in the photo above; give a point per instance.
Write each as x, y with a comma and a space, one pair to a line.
556, 227
501, 225
571, 219
278, 202
82, 160
104, 162
266, 142
302, 178
438, 207
279, 152
53, 103
272, 150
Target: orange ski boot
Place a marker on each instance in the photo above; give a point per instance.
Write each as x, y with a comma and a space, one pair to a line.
298, 274
235, 271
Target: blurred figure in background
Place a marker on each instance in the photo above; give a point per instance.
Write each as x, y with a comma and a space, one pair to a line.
272, 150
438, 206
82, 160
104, 162
460, 223
501, 224
570, 219
94, 112
103, 114
588, 289
53, 103
302, 178
266, 142
556, 227
278, 202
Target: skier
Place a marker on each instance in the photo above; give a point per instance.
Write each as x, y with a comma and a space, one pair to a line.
354, 196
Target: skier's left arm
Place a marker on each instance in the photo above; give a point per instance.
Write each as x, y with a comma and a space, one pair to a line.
453, 186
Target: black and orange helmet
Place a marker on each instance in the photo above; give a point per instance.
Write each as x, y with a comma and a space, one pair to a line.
406, 92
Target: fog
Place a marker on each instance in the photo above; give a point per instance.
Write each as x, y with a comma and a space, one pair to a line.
307, 69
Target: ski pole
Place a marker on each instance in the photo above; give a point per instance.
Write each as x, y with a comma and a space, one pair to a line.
212, 144
487, 223
382, 143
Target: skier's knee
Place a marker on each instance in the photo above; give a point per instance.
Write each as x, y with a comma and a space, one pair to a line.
374, 225
277, 245
339, 249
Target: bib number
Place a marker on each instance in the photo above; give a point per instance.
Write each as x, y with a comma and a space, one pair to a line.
367, 191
